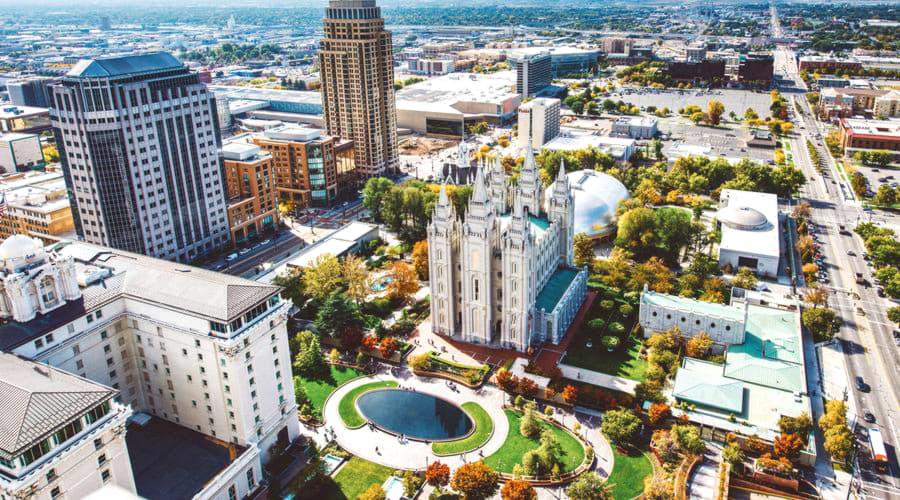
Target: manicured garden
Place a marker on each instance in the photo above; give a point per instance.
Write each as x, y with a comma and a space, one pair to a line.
432, 362
484, 428
347, 405
357, 475
318, 389
516, 445
608, 326
629, 471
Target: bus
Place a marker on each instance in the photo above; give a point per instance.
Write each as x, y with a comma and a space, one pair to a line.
876, 444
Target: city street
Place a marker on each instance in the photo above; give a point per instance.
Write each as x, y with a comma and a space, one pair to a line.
866, 334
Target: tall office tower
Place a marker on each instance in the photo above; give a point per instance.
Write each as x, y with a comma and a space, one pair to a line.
534, 72
138, 140
538, 122
356, 63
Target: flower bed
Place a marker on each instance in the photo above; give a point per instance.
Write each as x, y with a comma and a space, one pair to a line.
432, 364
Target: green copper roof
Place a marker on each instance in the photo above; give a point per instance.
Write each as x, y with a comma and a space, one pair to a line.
555, 288
701, 383
770, 354
539, 222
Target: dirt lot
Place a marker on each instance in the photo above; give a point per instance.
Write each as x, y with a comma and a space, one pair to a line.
423, 146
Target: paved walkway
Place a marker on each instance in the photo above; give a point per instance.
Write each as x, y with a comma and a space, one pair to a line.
597, 378
416, 455
704, 480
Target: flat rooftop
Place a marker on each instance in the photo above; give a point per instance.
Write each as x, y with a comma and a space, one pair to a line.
764, 239
876, 128
442, 92
170, 461
253, 94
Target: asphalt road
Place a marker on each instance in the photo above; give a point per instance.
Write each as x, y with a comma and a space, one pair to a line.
869, 348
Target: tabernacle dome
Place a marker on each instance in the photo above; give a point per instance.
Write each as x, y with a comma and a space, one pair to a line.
597, 195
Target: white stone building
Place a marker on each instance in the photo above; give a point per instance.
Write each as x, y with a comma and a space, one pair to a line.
538, 122
502, 275
200, 349
750, 235
62, 436
724, 324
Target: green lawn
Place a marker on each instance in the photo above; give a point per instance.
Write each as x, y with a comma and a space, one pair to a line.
629, 471
355, 477
347, 406
484, 428
624, 362
319, 389
516, 445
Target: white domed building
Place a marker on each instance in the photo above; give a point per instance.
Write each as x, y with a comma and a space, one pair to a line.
597, 196
750, 236
32, 281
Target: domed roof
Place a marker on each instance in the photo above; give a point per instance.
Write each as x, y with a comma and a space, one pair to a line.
597, 195
741, 217
19, 246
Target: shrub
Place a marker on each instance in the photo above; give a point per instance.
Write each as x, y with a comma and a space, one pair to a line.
597, 324
607, 305
620, 426
626, 310
475, 480
610, 342
616, 328
437, 474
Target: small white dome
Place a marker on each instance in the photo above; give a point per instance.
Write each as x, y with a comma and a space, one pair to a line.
19, 246
746, 218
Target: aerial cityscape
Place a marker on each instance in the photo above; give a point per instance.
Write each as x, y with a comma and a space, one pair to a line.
389, 250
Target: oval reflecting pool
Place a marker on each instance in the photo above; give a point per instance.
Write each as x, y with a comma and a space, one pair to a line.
415, 415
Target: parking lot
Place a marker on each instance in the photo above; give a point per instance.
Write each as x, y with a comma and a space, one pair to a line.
734, 99
685, 138
878, 176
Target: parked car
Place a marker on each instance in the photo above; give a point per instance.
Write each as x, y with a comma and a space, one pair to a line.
861, 384
868, 417
231, 257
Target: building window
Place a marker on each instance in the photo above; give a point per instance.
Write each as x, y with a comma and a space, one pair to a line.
55, 492
51, 475
232, 492
98, 443
104, 475
101, 459
251, 481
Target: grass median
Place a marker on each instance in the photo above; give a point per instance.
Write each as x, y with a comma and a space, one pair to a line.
347, 406
484, 429
510, 453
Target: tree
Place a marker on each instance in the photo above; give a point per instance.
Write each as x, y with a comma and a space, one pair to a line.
788, 446
437, 474
821, 321
373, 195
356, 276
714, 112
697, 117
745, 278
404, 283
816, 295
839, 443
323, 277
658, 413
800, 425
802, 211
584, 250
476, 481
658, 487
699, 345
687, 439
589, 486
886, 196
506, 380
835, 415
300, 395
516, 489
570, 394
528, 427
339, 317
51, 154
733, 454
420, 259
373, 493
292, 286
893, 314
620, 426
388, 346
309, 361
647, 193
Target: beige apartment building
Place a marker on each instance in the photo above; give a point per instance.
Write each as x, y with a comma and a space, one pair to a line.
357, 72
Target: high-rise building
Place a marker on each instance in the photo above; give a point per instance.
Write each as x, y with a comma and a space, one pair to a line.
538, 122
356, 63
311, 170
32, 91
138, 140
534, 72
250, 180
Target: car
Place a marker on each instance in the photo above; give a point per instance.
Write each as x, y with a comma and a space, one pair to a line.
231, 257
851, 253
868, 417
861, 385
265, 242
244, 251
